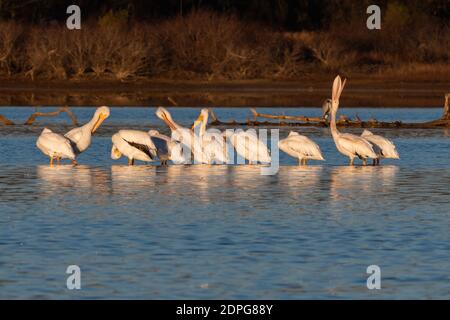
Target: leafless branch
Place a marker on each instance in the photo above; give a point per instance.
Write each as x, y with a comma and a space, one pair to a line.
65, 109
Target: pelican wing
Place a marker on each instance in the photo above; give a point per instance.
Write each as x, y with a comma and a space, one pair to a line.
51, 143
214, 147
386, 146
144, 148
161, 145
139, 140
356, 145
250, 147
301, 145
74, 135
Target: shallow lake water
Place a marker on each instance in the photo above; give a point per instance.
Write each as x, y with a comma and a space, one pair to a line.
224, 232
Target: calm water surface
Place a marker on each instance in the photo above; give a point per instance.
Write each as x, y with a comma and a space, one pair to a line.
223, 232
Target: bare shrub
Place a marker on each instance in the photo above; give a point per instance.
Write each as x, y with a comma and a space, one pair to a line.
45, 49
129, 59
9, 35
213, 46
204, 43
79, 52
326, 48
115, 51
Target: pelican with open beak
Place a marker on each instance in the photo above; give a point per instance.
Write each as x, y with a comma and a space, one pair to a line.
81, 137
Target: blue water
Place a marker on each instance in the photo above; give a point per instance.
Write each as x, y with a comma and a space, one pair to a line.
223, 232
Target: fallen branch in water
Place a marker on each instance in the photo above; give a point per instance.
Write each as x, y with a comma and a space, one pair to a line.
446, 114
65, 109
298, 118
6, 121
343, 121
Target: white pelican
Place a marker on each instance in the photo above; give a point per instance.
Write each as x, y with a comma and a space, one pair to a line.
134, 144
167, 148
300, 147
386, 148
190, 142
213, 143
55, 146
81, 136
348, 144
248, 146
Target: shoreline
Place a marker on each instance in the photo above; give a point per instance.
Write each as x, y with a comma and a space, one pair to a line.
374, 92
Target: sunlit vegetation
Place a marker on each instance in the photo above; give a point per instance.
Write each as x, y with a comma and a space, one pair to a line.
217, 43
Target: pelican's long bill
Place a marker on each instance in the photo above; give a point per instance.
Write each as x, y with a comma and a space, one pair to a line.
168, 122
99, 121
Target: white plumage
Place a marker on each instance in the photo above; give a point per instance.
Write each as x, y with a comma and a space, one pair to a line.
348, 144
190, 143
300, 147
81, 137
385, 147
55, 146
134, 144
248, 146
212, 141
167, 148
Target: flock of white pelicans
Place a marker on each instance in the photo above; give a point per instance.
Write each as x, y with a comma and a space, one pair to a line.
210, 146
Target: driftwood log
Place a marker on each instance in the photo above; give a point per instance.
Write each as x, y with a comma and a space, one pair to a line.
446, 114
6, 121
293, 121
303, 121
65, 109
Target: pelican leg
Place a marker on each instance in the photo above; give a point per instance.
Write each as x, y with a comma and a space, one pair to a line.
130, 162
374, 162
305, 162
351, 162
74, 162
378, 161
58, 160
51, 160
364, 162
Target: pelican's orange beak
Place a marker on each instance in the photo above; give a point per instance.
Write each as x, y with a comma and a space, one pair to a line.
168, 122
100, 119
196, 122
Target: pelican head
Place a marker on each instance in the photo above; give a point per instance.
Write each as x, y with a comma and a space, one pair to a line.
203, 117
165, 116
115, 153
326, 109
100, 115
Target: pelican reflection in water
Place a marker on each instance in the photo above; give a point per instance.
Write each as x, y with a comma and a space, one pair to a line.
133, 180
355, 185
81, 179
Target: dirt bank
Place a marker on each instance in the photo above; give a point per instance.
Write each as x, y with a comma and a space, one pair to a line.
372, 92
